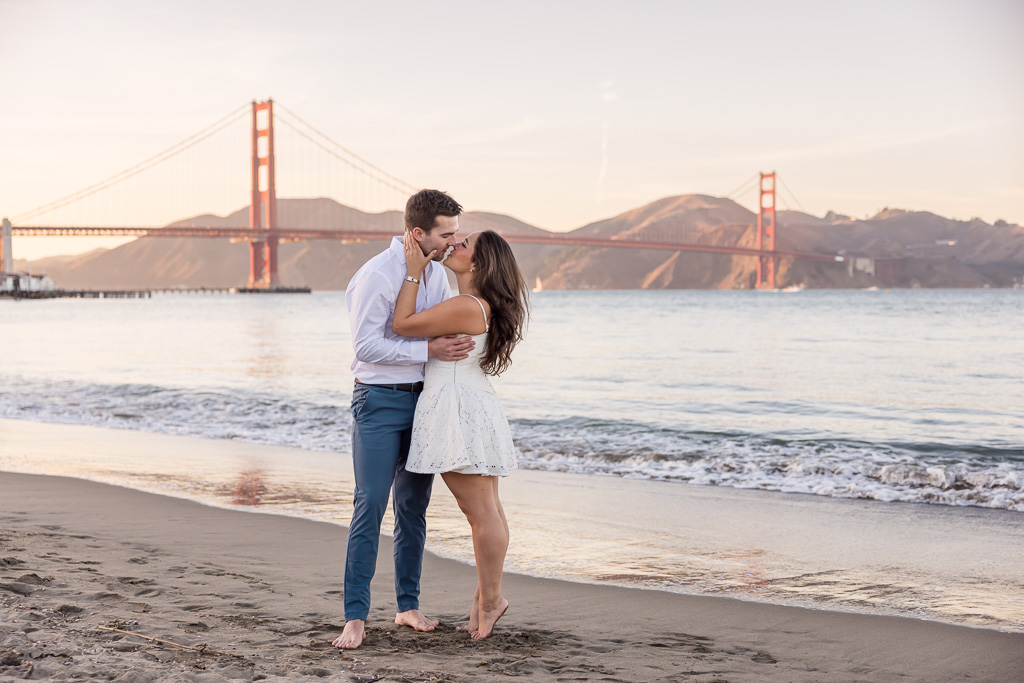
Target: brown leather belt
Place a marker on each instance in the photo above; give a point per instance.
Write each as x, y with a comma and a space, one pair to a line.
414, 388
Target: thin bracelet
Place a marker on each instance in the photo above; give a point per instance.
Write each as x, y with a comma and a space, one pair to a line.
410, 278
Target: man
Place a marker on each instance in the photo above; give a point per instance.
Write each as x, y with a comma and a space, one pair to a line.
389, 377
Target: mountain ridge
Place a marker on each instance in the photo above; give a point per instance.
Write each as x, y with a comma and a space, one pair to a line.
934, 251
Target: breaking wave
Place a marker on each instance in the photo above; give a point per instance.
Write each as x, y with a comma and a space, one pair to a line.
889, 472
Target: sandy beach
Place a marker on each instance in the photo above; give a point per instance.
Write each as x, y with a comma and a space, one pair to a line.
79, 557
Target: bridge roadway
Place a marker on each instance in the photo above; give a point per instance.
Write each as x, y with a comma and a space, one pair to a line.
296, 234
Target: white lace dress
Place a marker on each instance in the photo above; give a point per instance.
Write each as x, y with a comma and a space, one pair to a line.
460, 425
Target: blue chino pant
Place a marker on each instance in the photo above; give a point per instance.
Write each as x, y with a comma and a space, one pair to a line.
381, 430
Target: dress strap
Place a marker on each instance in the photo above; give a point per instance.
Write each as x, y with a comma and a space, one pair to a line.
487, 325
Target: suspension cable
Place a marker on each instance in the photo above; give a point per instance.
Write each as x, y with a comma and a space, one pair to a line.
791, 195
168, 153
405, 189
408, 187
743, 186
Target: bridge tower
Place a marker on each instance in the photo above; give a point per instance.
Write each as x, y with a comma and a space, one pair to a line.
766, 265
263, 208
6, 256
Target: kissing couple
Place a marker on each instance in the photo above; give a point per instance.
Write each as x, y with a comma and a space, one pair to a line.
423, 404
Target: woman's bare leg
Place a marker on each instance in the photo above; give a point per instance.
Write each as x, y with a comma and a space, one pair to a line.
474, 614
501, 511
475, 495
489, 619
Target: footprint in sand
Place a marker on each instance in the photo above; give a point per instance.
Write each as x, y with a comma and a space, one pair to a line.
19, 588
33, 579
132, 581
196, 608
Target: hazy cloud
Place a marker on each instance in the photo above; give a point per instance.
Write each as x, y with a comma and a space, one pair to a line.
860, 144
607, 94
485, 135
604, 162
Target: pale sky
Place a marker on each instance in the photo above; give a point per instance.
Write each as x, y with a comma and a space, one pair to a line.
557, 113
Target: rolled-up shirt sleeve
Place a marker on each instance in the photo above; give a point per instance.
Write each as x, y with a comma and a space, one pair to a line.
369, 314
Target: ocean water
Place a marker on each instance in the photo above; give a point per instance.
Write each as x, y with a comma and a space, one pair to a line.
868, 399
909, 396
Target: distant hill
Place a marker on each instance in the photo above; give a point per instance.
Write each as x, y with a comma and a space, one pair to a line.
711, 221
936, 251
219, 263
983, 255
48, 263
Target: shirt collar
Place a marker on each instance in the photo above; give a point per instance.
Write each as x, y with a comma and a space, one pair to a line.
398, 248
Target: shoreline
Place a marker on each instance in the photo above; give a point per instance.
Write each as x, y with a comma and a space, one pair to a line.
764, 547
78, 555
996, 497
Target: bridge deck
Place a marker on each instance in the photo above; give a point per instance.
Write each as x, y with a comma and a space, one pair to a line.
295, 234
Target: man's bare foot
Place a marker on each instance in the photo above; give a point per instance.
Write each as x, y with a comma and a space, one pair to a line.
488, 619
474, 615
416, 620
353, 635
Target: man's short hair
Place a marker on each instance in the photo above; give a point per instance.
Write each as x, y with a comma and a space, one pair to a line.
423, 208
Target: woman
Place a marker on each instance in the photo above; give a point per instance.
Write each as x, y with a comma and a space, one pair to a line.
460, 430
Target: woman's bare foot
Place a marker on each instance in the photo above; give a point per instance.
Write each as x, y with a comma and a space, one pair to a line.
488, 619
353, 635
416, 620
474, 615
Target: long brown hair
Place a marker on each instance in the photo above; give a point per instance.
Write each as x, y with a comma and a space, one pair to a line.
499, 281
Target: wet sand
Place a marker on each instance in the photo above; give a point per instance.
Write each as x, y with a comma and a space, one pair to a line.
77, 557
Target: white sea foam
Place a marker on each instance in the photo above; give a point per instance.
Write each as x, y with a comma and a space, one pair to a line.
927, 473
837, 469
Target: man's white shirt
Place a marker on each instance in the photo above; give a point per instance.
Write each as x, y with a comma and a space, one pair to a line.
383, 357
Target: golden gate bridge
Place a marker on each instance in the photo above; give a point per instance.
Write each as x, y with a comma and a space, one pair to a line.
359, 182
